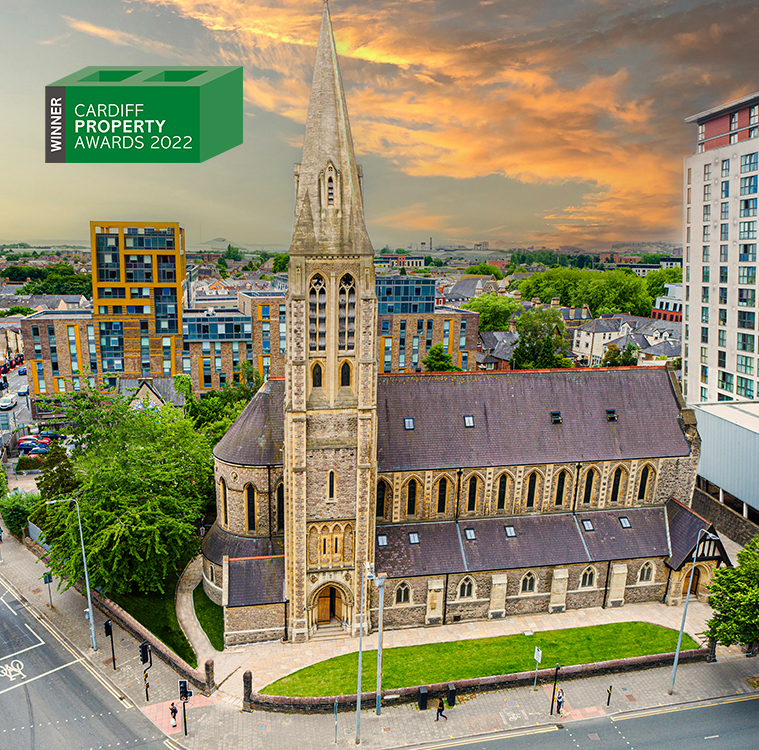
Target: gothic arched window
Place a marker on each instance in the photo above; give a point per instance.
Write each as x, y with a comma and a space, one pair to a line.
250, 498
617, 484
588, 578
528, 583
317, 315
442, 495
472, 505
381, 494
466, 588
560, 485
281, 508
589, 480
503, 484
411, 498
316, 376
331, 486
346, 314
223, 493
645, 480
330, 192
532, 485
646, 572
345, 375
402, 594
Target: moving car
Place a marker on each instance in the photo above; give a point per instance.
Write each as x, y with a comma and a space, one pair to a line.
24, 390
8, 401
22, 370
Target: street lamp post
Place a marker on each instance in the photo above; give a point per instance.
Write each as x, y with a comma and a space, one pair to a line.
379, 580
367, 571
93, 639
687, 599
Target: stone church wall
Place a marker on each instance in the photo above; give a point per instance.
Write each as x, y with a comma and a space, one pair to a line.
265, 622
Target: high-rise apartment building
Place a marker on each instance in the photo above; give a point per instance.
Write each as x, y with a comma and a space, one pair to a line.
720, 220
138, 283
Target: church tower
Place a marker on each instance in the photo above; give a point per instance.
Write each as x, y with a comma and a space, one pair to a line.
330, 374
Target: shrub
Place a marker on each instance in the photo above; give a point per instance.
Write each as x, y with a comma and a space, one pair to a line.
25, 463
16, 508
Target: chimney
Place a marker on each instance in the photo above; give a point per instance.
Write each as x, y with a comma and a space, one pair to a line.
518, 296
536, 300
555, 301
513, 324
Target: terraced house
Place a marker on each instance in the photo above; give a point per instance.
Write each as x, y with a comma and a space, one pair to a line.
479, 495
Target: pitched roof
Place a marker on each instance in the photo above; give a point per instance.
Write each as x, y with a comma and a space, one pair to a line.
504, 349
256, 437
538, 541
684, 527
217, 543
256, 580
512, 418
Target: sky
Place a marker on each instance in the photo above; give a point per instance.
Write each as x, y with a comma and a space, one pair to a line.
549, 122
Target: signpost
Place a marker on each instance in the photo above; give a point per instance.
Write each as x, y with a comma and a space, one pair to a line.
184, 696
538, 659
108, 628
146, 653
48, 579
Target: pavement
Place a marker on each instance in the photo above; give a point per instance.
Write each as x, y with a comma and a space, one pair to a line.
217, 721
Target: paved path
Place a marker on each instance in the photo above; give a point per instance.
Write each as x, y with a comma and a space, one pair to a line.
188, 620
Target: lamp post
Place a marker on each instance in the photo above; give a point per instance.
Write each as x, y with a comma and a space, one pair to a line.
379, 581
687, 599
93, 639
367, 571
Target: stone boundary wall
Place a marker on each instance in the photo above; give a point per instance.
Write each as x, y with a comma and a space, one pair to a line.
291, 704
139, 631
728, 522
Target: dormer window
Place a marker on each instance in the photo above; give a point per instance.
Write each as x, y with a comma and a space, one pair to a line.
556, 417
611, 415
510, 531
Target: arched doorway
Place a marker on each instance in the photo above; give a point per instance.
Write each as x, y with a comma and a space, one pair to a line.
330, 607
694, 584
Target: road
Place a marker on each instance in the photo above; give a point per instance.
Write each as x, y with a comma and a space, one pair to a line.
731, 724
21, 411
50, 699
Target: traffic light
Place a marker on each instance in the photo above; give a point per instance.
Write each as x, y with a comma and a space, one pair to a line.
183, 694
107, 628
144, 652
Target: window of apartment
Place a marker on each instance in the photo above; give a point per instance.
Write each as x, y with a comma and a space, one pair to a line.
748, 207
723, 232
207, 377
744, 364
462, 335
749, 162
721, 359
744, 387
704, 374
186, 366
725, 171
707, 192
706, 233
748, 185
747, 252
705, 254
746, 297
704, 335
704, 394
704, 314
724, 212
722, 317
707, 167
746, 274
723, 275
747, 230
745, 342
705, 292
746, 319
704, 355
446, 335
722, 295
388, 359
725, 381
707, 212
41, 388
725, 190
429, 335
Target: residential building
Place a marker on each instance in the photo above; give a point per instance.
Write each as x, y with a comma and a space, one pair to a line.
479, 495
405, 294
138, 286
720, 188
669, 306
468, 286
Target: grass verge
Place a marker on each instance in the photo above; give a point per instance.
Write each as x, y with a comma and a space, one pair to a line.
210, 616
157, 613
461, 660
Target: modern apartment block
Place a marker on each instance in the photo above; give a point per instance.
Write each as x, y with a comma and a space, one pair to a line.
266, 311
720, 220
138, 286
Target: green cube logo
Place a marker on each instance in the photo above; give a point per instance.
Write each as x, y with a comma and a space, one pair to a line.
151, 114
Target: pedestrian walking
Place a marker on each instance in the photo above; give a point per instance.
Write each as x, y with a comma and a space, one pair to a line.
173, 712
440, 709
560, 702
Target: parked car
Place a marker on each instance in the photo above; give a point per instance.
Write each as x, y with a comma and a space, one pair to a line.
28, 441
24, 449
51, 435
24, 390
22, 370
8, 401
40, 450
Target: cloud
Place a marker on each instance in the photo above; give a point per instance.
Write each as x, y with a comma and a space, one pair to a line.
121, 38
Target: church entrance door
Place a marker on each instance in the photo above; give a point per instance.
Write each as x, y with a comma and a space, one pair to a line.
329, 606
694, 585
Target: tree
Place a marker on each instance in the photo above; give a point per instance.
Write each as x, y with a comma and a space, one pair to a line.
233, 253
16, 310
16, 509
541, 340
495, 312
403, 272
427, 260
612, 356
734, 599
281, 262
221, 263
58, 477
438, 360
655, 280
630, 356
483, 269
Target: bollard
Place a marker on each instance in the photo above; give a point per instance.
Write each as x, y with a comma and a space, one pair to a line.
451, 694
247, 689
422, 698
210, 683
608, 696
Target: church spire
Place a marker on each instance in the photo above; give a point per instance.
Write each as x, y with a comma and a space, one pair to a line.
329, 212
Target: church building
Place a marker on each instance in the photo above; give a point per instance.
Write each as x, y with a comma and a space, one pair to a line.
479, 495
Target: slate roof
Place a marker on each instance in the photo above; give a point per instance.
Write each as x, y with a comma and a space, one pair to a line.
466, 287
684, 526
217, 543
256, 437
256, 580
490, 339
667, 347
541, 540
631, 338
601, 325
504, 349
164, 387
512, 423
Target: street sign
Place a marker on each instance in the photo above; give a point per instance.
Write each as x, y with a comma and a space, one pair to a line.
538, 654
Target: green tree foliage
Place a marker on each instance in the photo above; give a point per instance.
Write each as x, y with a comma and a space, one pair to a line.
16, 508
615, 357
438, 360
734, 599
59, 477
144, 484
655, 280
58, 279
613, 291
650, 258
495, 312
427, 260
483, 269
551, 258
403, 272
221, 263
281, 262
541, 340
16, 310
630, 356
233, 253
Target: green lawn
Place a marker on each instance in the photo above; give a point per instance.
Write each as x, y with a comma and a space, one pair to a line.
156, 612
461, 660
210, 616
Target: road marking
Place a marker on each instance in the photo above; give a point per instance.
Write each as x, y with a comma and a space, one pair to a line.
673, 709
40, 676
2, 599
711, 737
491, 738
24, 650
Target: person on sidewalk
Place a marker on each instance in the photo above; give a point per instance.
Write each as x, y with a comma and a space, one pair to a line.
440, 709
560, 702
173, 712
